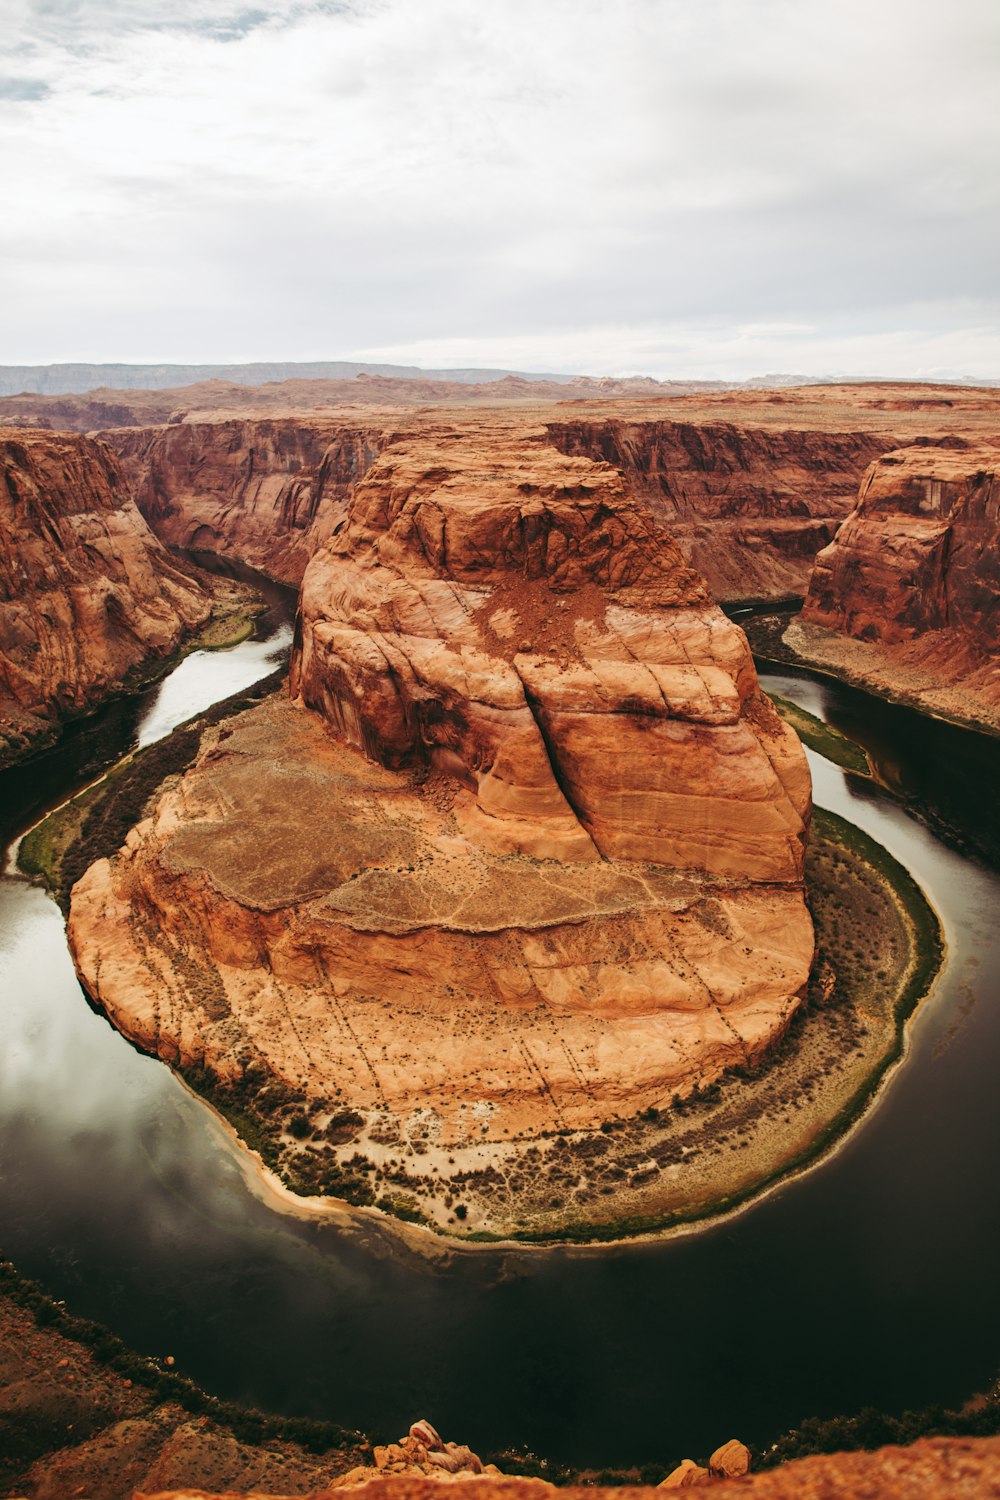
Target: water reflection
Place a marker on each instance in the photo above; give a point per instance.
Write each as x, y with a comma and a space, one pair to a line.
870, 1281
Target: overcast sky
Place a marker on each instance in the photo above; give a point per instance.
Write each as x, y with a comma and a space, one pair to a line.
666, 187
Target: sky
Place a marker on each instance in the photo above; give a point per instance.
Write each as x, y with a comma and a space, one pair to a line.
713, 188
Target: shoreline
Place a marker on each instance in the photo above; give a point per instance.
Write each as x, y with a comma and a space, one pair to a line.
438, 1243
235, 610
765, 632
625, 1218
650, 1220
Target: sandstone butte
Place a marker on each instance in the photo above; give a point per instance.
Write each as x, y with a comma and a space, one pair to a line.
911, 582
87, 592
524, 848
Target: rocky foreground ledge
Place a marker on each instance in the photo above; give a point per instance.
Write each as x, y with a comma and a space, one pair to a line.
80, 1415
934, 1469
525, 852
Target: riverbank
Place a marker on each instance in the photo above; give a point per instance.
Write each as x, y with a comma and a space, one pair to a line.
822, 737
93, 824
81, 1413
781, 638
879, 948
235, 608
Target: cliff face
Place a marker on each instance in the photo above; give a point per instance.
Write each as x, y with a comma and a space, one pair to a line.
912, 578
522, 625
527, 848
267, 492
87, 593
748, 507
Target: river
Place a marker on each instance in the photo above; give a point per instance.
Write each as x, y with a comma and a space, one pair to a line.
869, 1280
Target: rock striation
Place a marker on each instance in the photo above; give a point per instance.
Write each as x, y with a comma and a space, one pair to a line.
910, 585
527, 847
748, 507
267, 492
88, 595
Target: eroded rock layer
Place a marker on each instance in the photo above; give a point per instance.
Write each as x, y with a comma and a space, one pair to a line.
526, 849
268, 492
749, 507
87, 592
911, 582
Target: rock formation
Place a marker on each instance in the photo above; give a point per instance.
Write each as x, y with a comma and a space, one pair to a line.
267, 492
87, 593
911, 582
526, 850
748, 507
931, 1469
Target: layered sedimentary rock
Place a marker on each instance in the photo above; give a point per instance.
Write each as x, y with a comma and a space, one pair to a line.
526, 849
911, 582
87, 593
267, 492
750, 508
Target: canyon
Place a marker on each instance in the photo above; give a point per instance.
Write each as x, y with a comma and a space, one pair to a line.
89, 597
81, 1414
752, 483
508, 678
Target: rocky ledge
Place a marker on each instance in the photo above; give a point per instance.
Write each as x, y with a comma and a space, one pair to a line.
906, 599
88, 595
524, 852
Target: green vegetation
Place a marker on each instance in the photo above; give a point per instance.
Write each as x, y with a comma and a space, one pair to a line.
286, 1131
822, 737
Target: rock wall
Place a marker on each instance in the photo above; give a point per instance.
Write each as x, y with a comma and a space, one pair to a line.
267, 492
749, 507
951, 1468
87, 593
527, 848
911, 582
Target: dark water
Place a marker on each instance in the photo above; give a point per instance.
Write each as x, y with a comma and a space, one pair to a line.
870, 1280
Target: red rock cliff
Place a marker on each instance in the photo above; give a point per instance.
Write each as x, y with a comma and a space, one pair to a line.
914, 575
527, 848
513, 617
748, 506
265, 491
87, 593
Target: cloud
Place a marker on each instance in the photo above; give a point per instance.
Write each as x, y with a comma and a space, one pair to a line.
20, 90
219, 181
